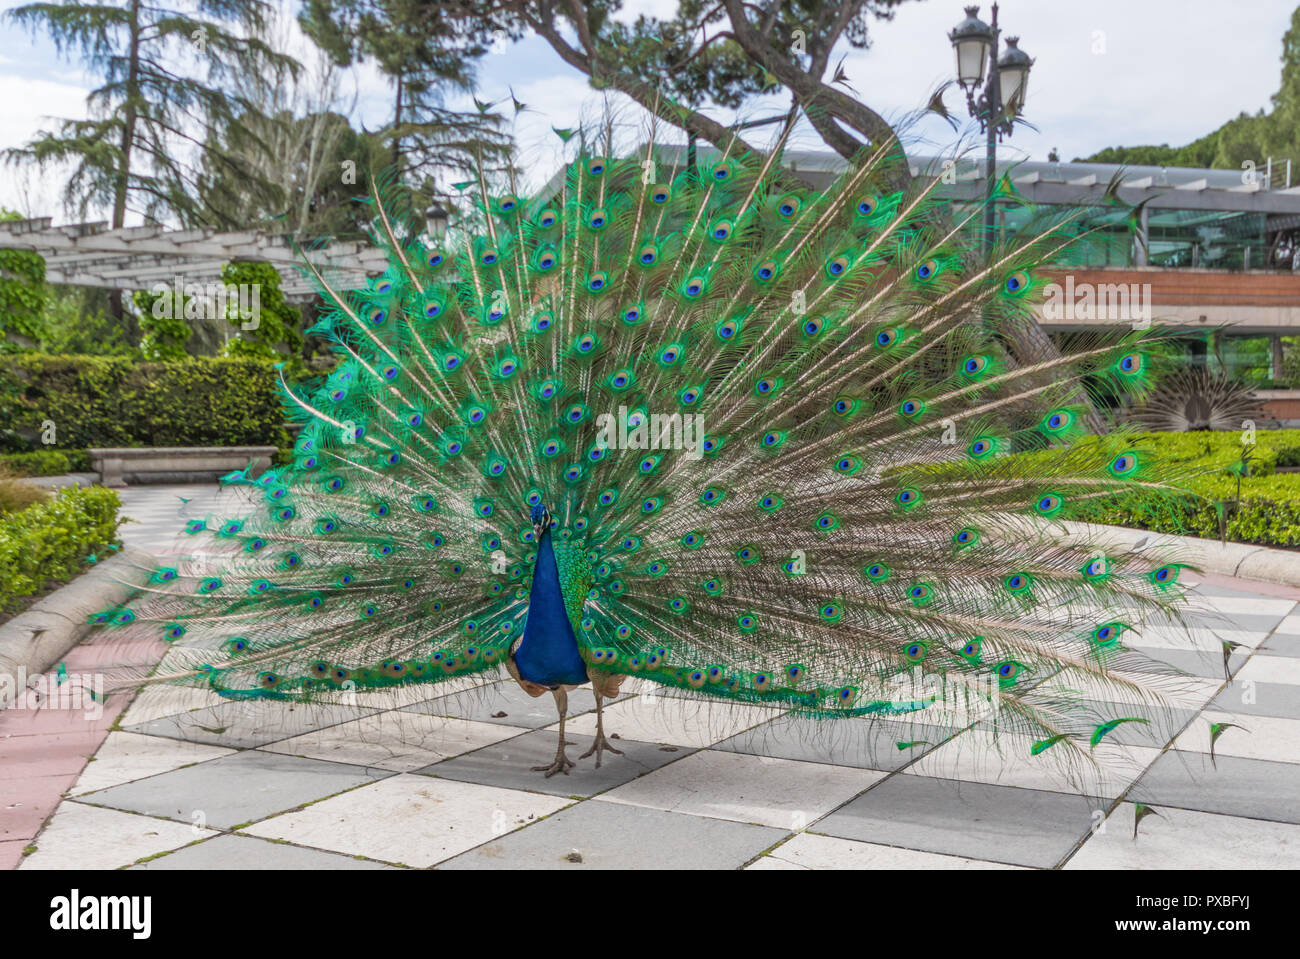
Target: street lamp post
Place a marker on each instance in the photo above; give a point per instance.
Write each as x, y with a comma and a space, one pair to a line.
1003, 79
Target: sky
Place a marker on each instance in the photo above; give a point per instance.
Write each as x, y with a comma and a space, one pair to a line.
1106, 73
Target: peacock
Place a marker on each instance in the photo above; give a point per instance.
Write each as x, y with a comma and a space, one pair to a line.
707, 428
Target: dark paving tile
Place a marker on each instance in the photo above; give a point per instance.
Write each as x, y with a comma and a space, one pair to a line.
234, 789
243, 725
861, 743
509, 764
1281, 644
247, 852
1259, 699
1238, 787
616, 836
1195, 662
1026, 827
1240, 621
520, 709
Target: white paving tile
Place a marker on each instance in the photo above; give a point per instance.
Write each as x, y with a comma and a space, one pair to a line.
1256, 737
1271, 669
1183, 839
783, 793
1241, 605
812, 851
410, 820
88, 837
977, 756
1289, 626
397, 741
126, 757
157, 702
673, 720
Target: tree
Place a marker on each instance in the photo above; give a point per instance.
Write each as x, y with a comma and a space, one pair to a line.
274, 332
424, 54
164, 96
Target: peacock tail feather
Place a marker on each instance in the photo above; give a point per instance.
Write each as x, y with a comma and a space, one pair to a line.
769, 425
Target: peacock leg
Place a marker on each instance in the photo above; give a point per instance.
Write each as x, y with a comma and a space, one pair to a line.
601, 742
562, 762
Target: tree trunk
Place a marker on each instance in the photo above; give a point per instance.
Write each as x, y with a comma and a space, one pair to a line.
130, 328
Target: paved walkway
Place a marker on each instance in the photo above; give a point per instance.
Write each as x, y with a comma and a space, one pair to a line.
441, 776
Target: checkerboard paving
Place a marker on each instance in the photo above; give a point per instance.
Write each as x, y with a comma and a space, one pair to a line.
442, 777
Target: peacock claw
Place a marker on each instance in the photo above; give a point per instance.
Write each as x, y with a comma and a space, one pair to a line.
562, 764
600, 745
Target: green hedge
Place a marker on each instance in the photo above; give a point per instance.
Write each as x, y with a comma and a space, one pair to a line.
39, 463
49, 542
1268, 513
96, 401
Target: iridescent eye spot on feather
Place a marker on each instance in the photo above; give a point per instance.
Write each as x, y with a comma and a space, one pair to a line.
721, 171
488, 256
908, 498
1165, 575
914, 652
911, 408
576, 413
1007, 673
652, 504
982, 448
546, 260
693, 287
848, 464
845, 405
1097, 568
620, 380
747, 622
831, 612
766, 271
712, 495
585, 344
507, 203
596, 166
433, 309
648, 256
927, 270
788, 206
1057, 421
607, 497
720, 230
451, 361
389, 372
773, 439
748, 555
632, 315
813, 326
1049, 504
1108, 633
826, 522
660, 194
887, 337
547, 218
1017, 582
876, 572
1017, 283
727, 329
1131, 364
435, 258
693, 540
973, 366
173, 631
597, 281
971, 651
837, 267
598, 219
767, 386
965, 537
377, 316
770, 503
1125, 464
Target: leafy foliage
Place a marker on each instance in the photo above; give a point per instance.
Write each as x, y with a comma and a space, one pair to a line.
22, 294
48, 542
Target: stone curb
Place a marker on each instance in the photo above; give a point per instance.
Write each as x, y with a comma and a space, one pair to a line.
1244, 560
41, 636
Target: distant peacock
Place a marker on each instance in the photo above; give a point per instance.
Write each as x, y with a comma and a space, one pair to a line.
715, 431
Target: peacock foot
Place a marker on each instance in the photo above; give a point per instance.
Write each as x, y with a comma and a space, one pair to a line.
600, 745
562, 764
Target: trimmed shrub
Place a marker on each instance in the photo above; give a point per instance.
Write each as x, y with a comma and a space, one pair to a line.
48, 543
95, 401
39, 463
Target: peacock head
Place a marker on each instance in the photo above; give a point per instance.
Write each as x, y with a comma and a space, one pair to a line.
541, 519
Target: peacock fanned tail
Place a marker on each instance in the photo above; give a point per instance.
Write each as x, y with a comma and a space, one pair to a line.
770, 426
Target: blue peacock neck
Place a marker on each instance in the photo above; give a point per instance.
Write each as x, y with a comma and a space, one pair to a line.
548, 654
